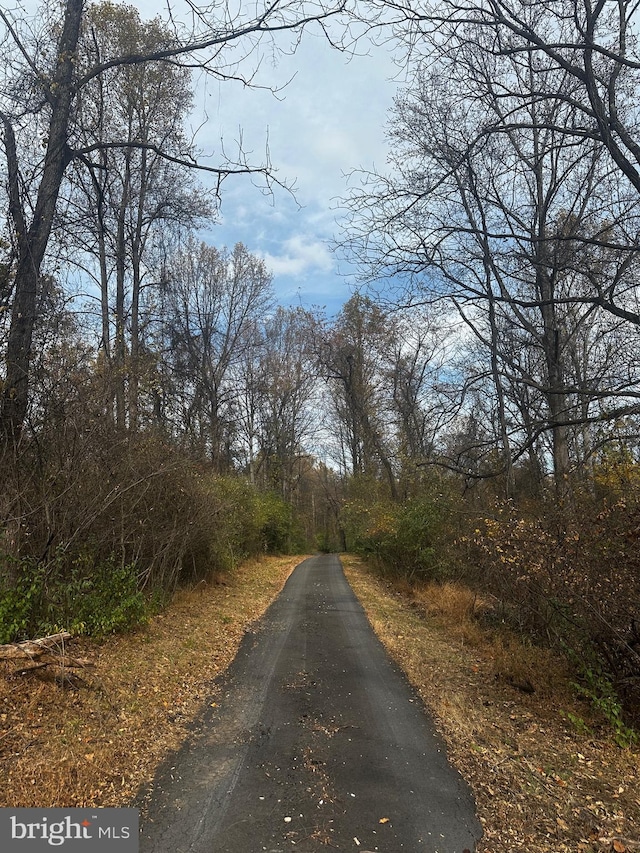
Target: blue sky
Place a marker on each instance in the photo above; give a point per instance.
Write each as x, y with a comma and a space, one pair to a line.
326, 122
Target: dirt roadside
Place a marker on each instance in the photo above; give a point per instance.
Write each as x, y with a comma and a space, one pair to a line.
541, 785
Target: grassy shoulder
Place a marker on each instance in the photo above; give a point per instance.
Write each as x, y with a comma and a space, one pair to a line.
546, 772
95, 743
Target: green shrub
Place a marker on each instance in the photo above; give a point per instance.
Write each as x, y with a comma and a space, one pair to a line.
246, 522
405, 539
324, 543
84, 599
414, 551
234, 526
98, 600
19, 601
595, 685
279, 531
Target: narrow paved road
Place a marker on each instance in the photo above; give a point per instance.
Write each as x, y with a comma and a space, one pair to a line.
317, 743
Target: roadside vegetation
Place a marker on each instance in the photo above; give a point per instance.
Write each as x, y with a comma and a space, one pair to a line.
111, 528
468, 422
562, 581
543, 760
94, 736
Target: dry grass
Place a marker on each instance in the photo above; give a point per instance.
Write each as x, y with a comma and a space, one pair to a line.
451, 603
542, 784
453, 600
455, 608
96, 744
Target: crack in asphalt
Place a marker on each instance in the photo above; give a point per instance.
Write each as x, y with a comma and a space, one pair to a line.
318, 743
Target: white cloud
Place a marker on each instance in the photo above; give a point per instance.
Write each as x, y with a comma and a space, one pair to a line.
328, 121
300, 256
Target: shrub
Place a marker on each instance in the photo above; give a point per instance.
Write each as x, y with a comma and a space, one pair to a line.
568, 579
19, 600
595, 685
278, 530
88, 599
405, 539
234, 527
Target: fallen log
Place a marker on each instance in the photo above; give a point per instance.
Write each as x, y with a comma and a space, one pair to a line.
42, 653
52, 645
61, 661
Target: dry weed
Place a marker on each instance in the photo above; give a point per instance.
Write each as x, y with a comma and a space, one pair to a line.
456, 604
528, 668
452, 600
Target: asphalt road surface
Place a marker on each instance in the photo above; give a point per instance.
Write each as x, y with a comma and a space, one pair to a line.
316, 743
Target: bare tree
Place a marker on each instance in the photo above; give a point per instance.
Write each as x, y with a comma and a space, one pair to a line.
495, 207
212, 39
350, 356
413, 364
594, 44
213, 299
286, 381
125, 196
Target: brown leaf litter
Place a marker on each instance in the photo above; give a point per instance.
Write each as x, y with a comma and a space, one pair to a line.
95, 739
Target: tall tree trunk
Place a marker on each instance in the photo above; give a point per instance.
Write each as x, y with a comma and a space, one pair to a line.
134, 353
105, 313
552, 338
137, 247
553, 345
33, 243
120, 348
